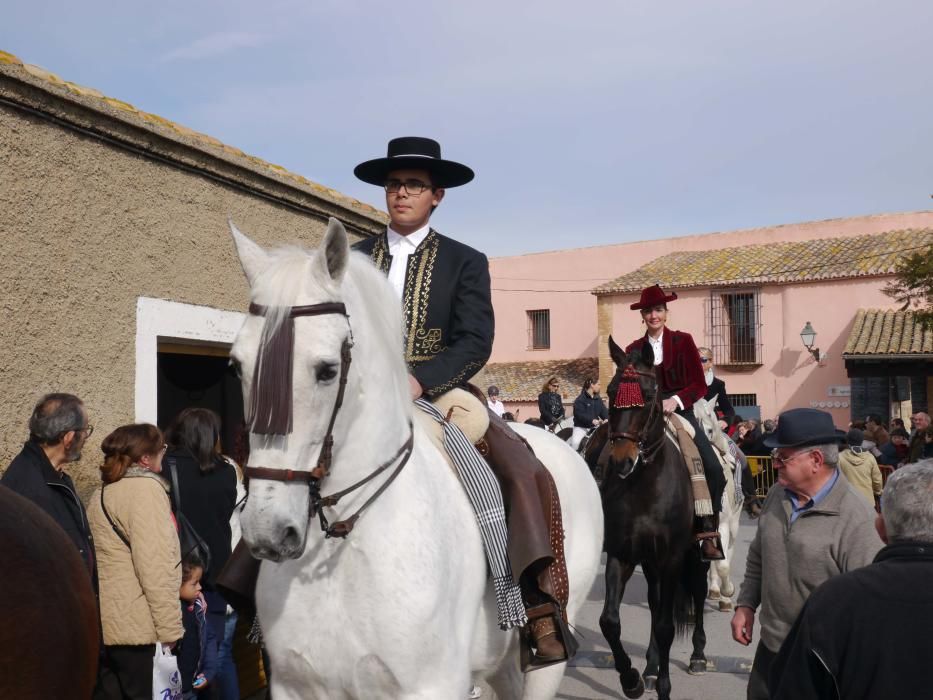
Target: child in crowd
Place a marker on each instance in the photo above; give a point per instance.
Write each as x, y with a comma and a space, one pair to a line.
198, 657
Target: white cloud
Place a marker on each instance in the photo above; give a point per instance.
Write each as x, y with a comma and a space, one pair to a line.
214, 45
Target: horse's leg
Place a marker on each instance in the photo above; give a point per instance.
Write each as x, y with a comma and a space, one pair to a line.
654, 602
714, 584
664, 630
617, 575
695, 581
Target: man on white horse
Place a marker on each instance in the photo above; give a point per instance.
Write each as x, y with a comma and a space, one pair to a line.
445, 290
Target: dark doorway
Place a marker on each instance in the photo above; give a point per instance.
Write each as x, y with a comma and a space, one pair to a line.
200, 376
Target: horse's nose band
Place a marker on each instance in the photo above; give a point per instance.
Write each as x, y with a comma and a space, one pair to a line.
281, 424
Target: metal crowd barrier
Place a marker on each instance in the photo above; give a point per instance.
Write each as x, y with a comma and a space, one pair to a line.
763, 472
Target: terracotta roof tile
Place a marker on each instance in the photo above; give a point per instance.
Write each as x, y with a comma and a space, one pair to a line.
879, 332
775, 263
103, 103
522, 381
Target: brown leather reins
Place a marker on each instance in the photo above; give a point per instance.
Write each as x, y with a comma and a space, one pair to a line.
315, 476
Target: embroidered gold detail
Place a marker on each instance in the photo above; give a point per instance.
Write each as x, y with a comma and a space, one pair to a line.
417, 295
380, 255
428, 341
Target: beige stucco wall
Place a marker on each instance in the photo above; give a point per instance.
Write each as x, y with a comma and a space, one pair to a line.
86, 228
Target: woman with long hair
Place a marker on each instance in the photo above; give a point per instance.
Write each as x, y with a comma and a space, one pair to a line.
551, 404
138, 560
207, 488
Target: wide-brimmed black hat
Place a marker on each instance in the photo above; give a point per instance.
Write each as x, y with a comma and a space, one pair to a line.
800, 427
414, 152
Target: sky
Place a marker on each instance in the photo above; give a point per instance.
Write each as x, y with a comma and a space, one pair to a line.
587, 123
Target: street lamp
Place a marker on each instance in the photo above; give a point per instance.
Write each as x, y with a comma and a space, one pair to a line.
808, 336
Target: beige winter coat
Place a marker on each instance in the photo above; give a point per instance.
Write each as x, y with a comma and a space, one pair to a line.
861, 469
138, 586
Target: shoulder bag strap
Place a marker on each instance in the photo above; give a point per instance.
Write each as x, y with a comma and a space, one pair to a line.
176, 492
110, 520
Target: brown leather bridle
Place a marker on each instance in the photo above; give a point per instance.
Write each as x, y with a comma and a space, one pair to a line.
646, 452
315, 476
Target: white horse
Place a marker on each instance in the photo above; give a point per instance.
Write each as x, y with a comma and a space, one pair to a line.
720, 585
401, 608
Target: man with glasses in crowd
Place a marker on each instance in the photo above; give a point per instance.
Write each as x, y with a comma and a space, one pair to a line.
444, 289
58, 430
716, 387
813, 526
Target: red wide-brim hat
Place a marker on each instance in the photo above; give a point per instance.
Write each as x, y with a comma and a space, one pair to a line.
652, 296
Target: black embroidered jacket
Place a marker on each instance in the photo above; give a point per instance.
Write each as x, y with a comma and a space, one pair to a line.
447, 303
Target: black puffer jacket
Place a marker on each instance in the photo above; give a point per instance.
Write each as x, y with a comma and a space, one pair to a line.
32, 476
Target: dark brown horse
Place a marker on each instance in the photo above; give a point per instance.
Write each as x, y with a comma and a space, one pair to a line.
49, 631
648, 509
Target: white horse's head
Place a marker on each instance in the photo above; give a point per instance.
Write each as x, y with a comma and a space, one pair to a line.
705, 412
290, 364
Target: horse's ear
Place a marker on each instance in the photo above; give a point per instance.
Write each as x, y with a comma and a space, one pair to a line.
647, 354
253, 258
335, 251
616, 353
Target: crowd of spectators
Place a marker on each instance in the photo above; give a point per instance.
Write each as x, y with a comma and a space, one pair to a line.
149, 591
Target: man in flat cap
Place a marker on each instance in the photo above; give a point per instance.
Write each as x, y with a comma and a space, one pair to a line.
444, 289
813, 526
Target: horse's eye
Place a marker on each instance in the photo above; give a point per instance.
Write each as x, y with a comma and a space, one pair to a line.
326, 372
235, 366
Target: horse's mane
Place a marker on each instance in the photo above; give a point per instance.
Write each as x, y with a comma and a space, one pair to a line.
372, 305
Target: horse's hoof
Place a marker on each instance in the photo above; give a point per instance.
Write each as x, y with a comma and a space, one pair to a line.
636, 689
697, 667
725, 606
713, 595
651, 683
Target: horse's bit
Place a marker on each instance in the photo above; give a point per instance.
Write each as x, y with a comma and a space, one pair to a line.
317, 502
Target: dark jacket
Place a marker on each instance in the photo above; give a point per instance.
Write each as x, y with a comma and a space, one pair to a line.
198, 652
863, 634
723, 405
449, 321
586, 409
32, 475
680, 372
551, 406
207, 501
892, 454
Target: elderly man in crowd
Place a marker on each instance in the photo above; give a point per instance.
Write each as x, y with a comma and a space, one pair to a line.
813, 526
865, 634
58, 429
920, 422
874, 430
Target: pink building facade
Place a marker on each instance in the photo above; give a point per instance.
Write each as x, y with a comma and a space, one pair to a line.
783, 374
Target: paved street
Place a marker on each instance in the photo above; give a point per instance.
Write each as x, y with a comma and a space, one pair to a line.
592, 675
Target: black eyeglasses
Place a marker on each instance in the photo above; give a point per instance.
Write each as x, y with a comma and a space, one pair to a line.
412, 187
87, 431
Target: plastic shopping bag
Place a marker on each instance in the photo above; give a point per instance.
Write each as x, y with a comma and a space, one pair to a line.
166, 680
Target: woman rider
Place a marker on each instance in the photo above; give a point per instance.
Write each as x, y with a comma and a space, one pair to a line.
681, 382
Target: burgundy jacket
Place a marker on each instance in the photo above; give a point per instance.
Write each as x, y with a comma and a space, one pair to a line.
681, 372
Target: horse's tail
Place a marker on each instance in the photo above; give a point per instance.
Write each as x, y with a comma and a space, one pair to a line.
683, 603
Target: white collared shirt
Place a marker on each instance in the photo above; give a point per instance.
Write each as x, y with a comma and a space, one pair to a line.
657, 347
401, 248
